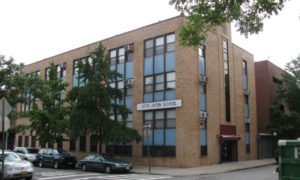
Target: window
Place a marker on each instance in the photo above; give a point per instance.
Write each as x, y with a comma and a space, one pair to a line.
226, 74
202, 97
82, 143
163, 140
72, 145
122, 61
224, 28
33, 141
20, 143
277, 81
50, 145
201, 51
246, 106
47, 74
60, 143
77, 81
203, 138
26, 141
247, 138
245, 74
159, 68
27, 105
93, 147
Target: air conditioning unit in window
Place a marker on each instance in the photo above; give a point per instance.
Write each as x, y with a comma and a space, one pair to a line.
248, 120
203, 79
63, 65
128, 82
128, 47
247, 92
204, 114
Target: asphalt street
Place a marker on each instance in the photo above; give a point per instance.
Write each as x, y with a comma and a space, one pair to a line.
47, 173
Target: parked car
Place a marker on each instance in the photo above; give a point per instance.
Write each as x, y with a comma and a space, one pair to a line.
15, 166
56, 158
27, 153
104, 162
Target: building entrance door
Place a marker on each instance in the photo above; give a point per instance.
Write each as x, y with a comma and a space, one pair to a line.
226, 151
229, 151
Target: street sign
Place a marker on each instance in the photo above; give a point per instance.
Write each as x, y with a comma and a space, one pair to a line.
6, 124
147, 125
7, 107
147, 133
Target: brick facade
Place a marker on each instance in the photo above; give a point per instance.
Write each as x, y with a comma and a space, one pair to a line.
187, 89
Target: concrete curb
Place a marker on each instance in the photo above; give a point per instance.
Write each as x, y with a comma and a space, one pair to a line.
205, 173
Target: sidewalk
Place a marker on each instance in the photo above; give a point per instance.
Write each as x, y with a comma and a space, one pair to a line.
212, 169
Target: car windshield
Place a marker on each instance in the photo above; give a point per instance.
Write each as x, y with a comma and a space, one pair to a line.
32, 151
10, 157
110, 157
60, 151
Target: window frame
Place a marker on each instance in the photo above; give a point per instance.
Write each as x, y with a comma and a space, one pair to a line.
165, 127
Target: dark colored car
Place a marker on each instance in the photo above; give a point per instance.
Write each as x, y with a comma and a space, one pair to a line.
56, 158
104, 162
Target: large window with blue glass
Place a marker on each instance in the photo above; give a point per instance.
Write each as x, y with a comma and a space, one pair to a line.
162, 143
159, 68
79, 82
122, 61
246, 106
27, 105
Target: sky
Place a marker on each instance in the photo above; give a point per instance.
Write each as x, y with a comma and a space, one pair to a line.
32, 30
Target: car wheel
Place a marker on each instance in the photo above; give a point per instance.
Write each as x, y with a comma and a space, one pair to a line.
56, 164
40, 163
107, 169
28, 178
84, 168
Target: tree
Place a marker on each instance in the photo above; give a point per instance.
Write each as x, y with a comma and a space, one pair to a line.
205, 15
49, 122
287, 126
290, 88
92, 103
13, 83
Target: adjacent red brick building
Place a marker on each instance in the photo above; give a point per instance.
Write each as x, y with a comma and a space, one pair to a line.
267, 77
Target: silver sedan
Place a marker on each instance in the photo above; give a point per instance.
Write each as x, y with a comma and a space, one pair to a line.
15, 167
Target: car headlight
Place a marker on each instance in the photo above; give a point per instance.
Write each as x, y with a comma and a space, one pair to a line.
118, 165
8, 168
30, 156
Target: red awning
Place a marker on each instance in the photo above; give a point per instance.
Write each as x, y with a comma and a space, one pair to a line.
223, 138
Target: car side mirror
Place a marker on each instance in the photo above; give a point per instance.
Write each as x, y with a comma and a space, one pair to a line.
51, 154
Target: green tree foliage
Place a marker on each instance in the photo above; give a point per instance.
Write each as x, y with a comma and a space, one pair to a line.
205, 15
92, 103
50, 121
290, 89
286, 126
11, 83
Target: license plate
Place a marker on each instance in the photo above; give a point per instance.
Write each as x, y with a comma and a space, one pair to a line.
127, 168
70, 162
24, 172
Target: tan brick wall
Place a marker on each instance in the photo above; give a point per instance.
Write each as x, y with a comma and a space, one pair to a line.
187, 89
